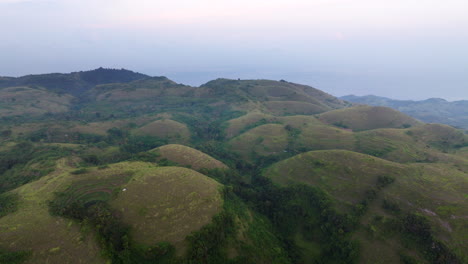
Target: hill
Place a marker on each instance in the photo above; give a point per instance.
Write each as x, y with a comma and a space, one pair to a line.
110, 166
178, 199
277, 97
366, 118
74, 83
25, 101
187, 156
48, 238
433, 110
167, 204
437, 187
165, 128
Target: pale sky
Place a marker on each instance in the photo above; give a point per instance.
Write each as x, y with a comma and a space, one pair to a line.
404, 49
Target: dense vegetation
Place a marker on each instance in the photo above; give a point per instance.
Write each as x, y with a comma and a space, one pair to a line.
25, 162
68, 168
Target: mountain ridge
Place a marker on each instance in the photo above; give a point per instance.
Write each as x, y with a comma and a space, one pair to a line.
74, 83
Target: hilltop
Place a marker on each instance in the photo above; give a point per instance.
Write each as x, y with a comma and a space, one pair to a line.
433, 110
74, 83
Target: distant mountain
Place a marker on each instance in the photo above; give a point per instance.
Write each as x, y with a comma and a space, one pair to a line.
433, 110
74, 83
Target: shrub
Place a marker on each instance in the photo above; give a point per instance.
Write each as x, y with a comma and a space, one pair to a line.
80, 171
8, 203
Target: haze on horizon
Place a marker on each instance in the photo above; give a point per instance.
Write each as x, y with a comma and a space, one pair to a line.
402, 49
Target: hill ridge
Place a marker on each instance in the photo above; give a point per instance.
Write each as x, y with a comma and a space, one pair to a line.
431, 110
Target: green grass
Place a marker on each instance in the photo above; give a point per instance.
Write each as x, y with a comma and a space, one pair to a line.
49, 239
8, 203
167, 204
179, 200
424, 188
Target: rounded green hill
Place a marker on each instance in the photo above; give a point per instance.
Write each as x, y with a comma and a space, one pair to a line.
187, 156
165, 128
158, 203
167, 204
435, 190
367, 117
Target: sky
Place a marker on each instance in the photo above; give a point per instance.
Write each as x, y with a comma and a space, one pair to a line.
402, 49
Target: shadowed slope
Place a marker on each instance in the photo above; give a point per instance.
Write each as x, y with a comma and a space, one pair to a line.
74, 83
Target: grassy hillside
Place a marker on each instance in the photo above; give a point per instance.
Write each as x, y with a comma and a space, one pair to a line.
187, 156
167, 204
286, 136
366, 117
250, 120
395, 145
435, 191
179, 200
266, 90
165, 128
49, 239
269, 139
25, 101
441, 136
